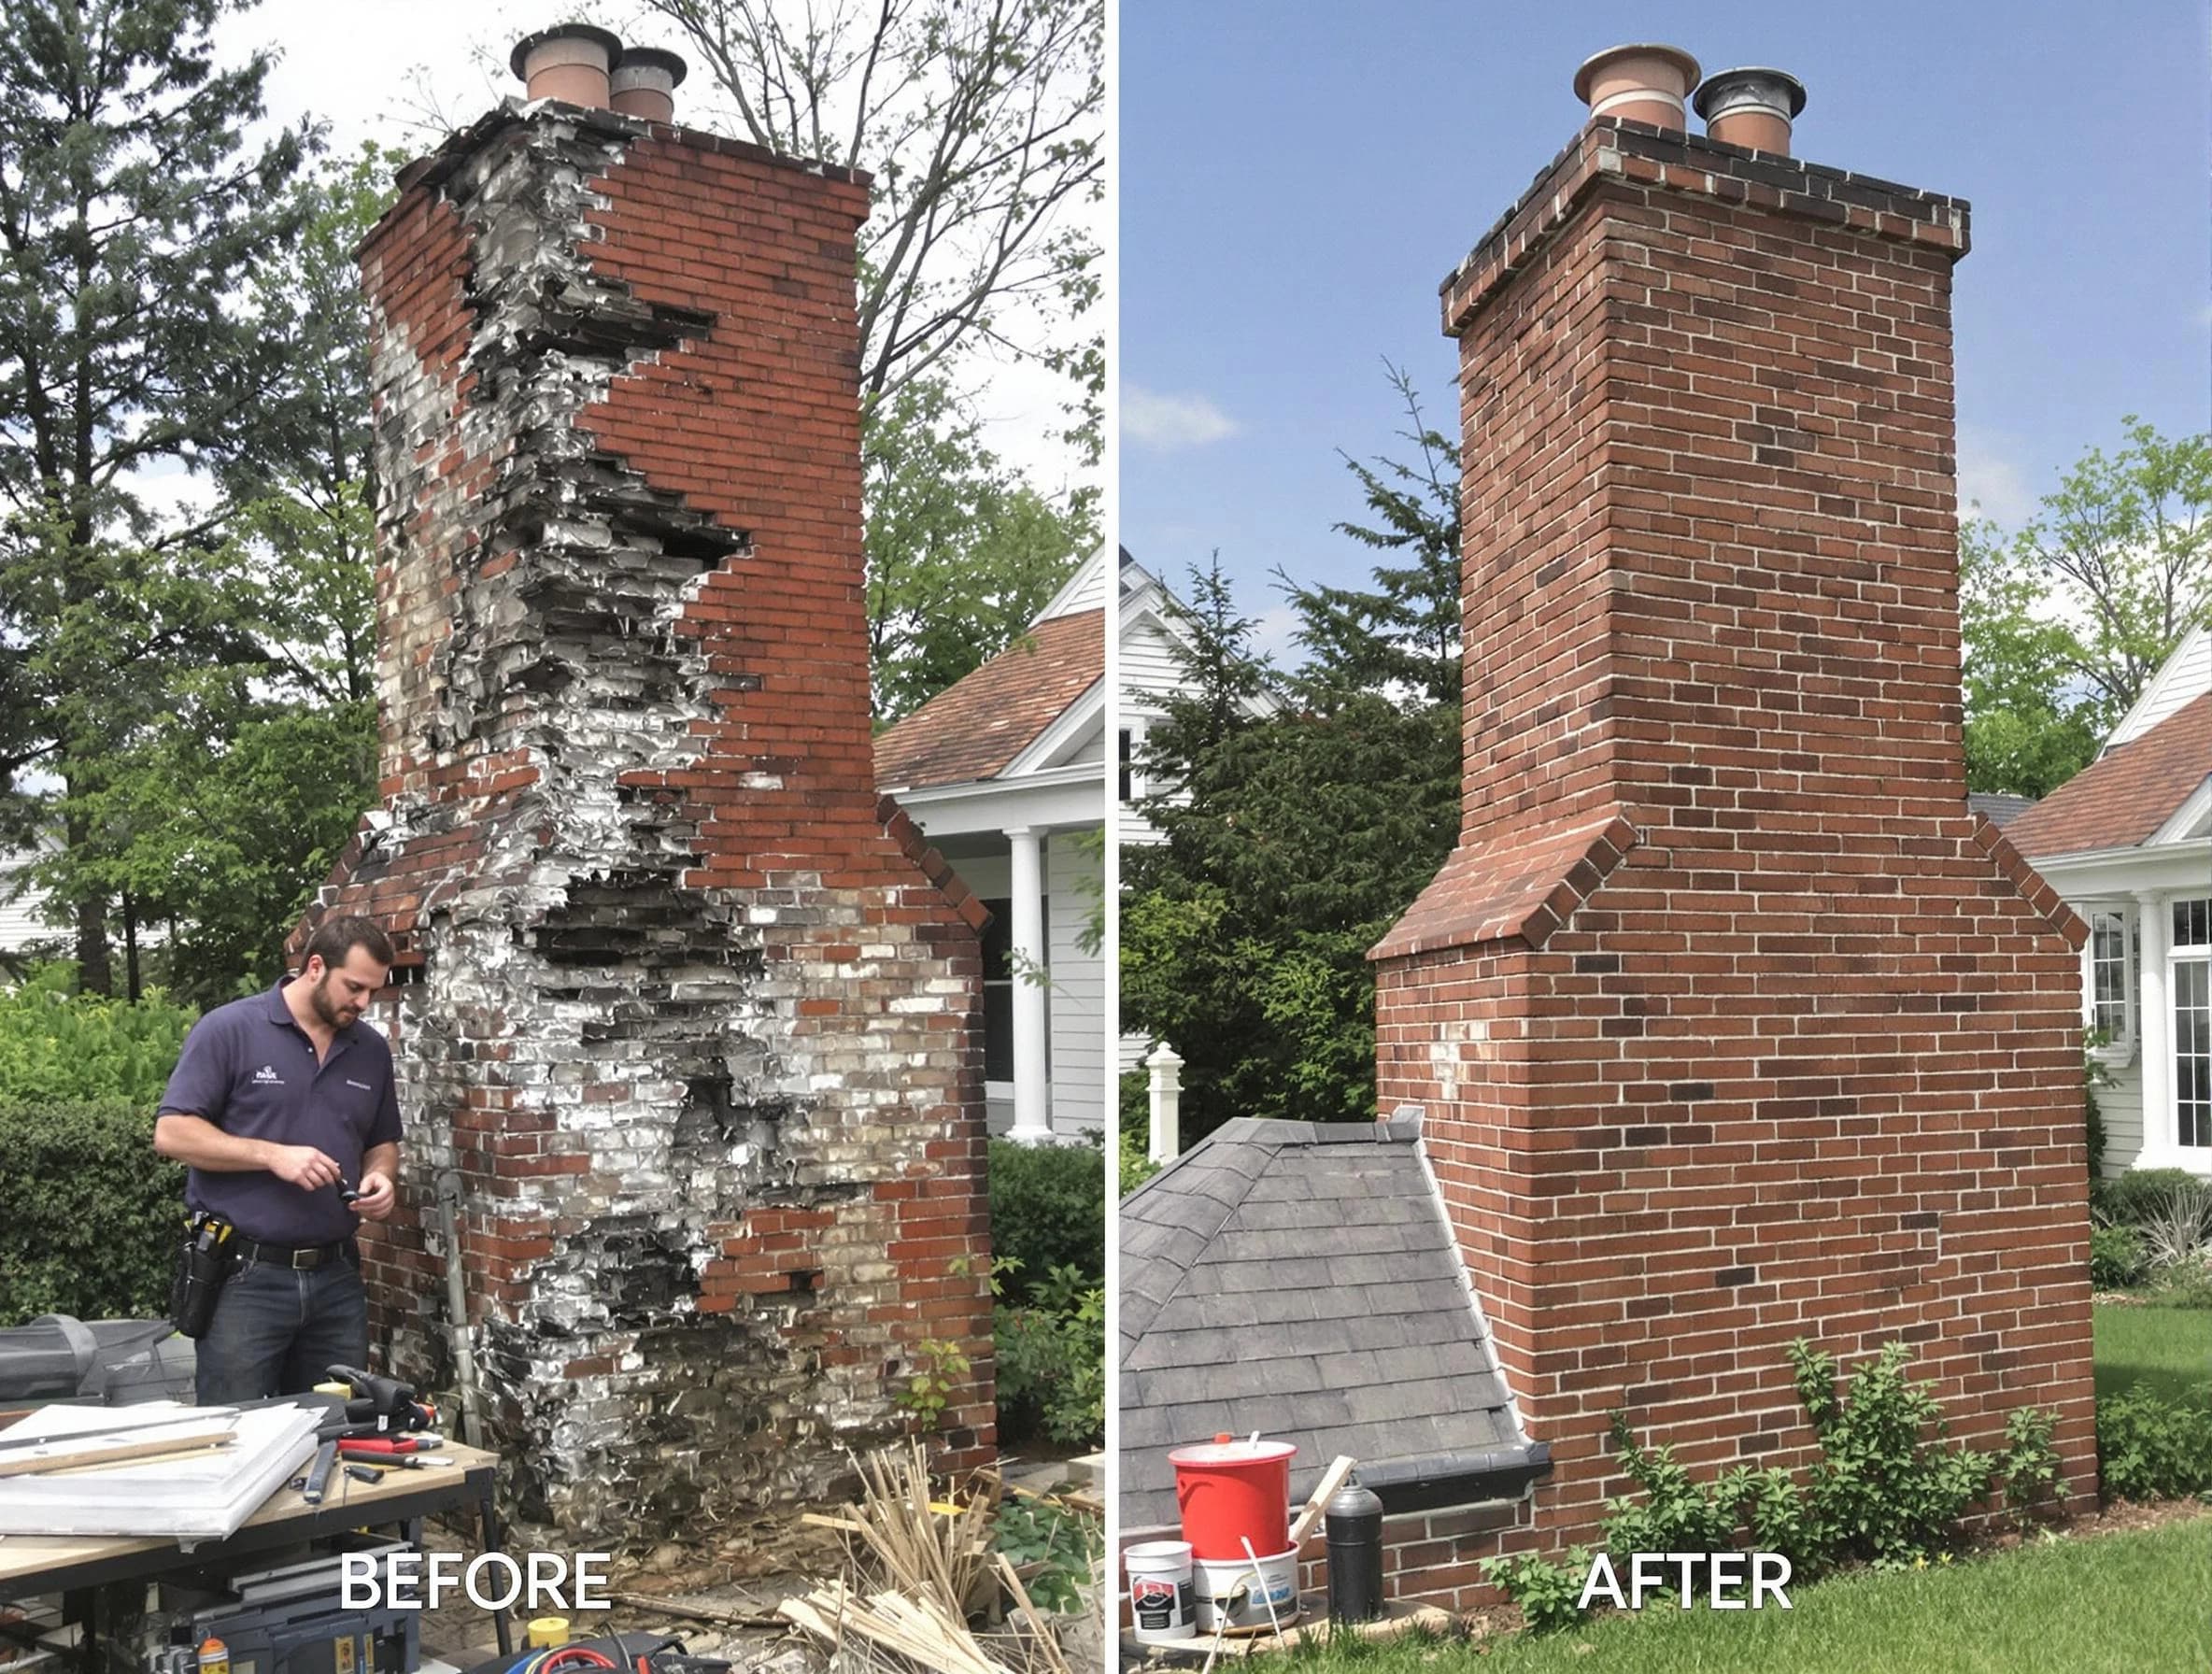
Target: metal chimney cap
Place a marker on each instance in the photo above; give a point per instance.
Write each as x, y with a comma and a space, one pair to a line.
653, 58
1590, 66
562, 32
1756, 85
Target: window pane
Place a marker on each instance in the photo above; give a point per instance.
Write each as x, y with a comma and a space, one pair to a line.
2193, 923
2192, 1050
998, 992
2108, 976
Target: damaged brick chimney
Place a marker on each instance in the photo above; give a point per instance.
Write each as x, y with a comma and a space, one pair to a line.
1732, 1024
691, 1021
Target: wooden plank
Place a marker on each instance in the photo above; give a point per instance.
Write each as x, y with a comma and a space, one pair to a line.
66, 1457
1317, 1503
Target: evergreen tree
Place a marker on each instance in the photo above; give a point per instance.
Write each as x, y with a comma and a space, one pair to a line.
132, 215
1293, 838
218, 815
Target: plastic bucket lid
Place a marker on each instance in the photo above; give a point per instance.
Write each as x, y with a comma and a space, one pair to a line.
1233, 1492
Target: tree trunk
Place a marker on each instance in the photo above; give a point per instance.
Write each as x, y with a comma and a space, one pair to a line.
94, 974
132, 988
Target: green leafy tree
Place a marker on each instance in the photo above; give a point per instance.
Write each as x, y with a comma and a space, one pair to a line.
2065, 622
1293, 837
962, 554
218, 813
131, 216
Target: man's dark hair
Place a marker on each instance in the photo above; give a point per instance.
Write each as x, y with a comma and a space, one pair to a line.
334, 939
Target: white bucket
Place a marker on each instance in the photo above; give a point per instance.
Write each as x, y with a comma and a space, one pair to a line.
1273, 1581
1160, 1590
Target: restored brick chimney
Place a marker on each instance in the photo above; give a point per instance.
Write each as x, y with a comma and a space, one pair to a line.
1731, 1022
689, 1018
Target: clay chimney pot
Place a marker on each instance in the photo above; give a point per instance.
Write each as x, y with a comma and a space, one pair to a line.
645, 83
1642, 82
569, 63
1752, 107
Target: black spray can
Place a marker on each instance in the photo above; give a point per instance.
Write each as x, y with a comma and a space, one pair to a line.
1354, 1522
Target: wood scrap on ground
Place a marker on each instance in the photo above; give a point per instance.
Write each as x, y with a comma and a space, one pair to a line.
920, 1632
931, 1566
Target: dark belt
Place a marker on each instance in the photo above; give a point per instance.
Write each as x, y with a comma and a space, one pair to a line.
299, 1256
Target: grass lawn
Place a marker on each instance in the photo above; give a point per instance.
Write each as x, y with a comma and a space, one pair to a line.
2111, 1604
2168, 1348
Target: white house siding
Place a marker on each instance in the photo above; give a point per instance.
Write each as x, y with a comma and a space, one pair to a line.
2122, 1106
22, 919
1077, 1000
2185, 675
1148, 669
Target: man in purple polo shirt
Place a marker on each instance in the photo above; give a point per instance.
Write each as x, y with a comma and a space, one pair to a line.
277, 1103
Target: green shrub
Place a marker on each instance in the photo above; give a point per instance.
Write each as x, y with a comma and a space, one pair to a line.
61, 1048
2028, 1468
2185, 1285
2115, 1257
94, 1216
1048, 1211
1549, 1593
1679, 1513
2139, 1196
2151, 1448
1887, 1488
1051, 1361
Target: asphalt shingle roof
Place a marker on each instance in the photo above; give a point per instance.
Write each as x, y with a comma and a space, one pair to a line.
2124, 796
1299, 1278
974, 726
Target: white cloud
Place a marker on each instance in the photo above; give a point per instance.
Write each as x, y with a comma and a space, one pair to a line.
1992, 483
1151, 419
1275, 633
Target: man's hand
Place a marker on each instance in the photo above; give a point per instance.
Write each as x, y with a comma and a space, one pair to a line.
302, 1166
378, 1197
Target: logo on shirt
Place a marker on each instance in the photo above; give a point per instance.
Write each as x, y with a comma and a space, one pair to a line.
266, 1076
364, 1086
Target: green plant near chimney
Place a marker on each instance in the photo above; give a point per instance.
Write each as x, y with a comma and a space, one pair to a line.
1889, 1488
929, 1391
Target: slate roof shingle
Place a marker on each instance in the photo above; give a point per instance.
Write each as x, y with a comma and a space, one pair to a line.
1299, 1278
2124, 797
979, 724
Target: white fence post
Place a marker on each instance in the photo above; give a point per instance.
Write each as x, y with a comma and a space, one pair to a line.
1167, 1100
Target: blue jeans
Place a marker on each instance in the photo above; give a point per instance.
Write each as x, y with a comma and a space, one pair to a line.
276, 1330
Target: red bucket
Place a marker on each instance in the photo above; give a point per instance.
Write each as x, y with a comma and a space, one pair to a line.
1230, 1492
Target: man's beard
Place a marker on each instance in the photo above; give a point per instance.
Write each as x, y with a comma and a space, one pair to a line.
319, 997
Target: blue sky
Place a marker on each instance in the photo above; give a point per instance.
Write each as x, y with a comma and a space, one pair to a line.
1297, 176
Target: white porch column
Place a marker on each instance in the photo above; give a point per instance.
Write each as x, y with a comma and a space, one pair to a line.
1032, 1096
2153, 1033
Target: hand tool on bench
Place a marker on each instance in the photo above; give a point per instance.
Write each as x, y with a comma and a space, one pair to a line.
319, 1473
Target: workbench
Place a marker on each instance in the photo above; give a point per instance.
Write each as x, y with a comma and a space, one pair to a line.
78, 1566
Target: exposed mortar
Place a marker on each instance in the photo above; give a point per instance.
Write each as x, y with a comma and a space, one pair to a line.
610, 1056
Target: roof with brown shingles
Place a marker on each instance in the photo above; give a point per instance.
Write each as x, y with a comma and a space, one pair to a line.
975, 727
2120, 799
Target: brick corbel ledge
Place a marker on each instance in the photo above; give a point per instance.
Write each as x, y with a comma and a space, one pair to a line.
1512, 886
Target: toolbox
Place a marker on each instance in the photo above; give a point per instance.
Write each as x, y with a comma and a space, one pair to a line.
287, 1617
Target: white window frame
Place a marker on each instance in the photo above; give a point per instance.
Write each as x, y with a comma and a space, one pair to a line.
2120, 1051
2194, 953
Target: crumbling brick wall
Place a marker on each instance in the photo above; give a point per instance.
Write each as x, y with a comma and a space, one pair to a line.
1732, 1023
690, 1015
